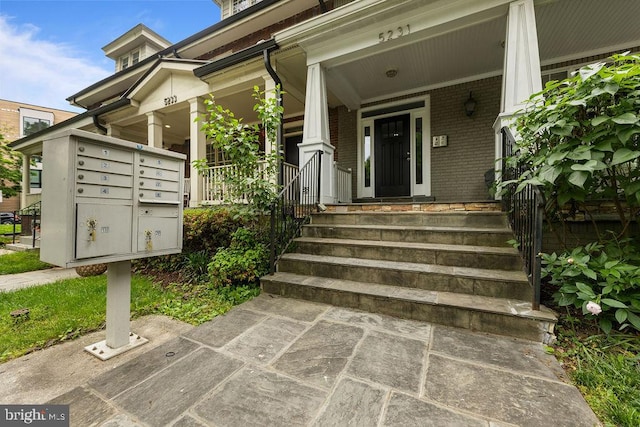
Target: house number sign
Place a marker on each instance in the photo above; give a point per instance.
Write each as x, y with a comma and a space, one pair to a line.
403, 30
169, 100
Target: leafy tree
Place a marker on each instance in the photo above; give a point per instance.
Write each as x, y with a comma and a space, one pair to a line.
253, 175
580, 138
10, 172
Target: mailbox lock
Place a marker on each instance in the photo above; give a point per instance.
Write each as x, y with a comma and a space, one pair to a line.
81, 149
141, 194
80, 190
81, 162
142, 160
141, 183
80, 176
141, 172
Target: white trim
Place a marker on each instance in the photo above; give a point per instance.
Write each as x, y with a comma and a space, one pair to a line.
423, 189
595, 52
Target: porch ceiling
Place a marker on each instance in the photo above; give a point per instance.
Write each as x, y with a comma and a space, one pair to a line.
567, 29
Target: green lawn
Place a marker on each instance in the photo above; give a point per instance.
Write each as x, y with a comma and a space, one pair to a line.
8, 228
606, 369
19, 262
67, 309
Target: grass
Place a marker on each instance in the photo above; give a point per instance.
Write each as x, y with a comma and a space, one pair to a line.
8, 228
67, 309
20, 262
606, 369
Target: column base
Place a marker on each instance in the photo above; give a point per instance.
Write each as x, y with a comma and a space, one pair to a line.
103, 352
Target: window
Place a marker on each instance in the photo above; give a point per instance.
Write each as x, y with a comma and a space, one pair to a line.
35, 180
135, 57
366, 167
31, 125
124, 62
240, 5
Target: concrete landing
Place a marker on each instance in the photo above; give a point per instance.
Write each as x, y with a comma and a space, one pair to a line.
285, 362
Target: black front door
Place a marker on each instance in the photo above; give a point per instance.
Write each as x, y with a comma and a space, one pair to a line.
392, 151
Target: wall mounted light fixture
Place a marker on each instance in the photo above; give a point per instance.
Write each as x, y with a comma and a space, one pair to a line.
470, 105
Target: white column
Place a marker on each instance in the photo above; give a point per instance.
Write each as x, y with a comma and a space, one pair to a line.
521, 73
197, 148
26, 180
315, 135
269, 93
154, 129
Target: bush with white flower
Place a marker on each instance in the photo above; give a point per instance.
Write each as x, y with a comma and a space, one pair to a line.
602, 280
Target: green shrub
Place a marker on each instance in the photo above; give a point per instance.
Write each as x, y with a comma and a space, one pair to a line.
601, 279
207, 229
242, 263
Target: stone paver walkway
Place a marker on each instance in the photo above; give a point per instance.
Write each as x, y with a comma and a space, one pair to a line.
283, 362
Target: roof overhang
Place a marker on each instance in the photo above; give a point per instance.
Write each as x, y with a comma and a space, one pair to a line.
32, 144
159, 72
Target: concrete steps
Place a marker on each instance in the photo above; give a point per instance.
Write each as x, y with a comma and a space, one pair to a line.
454, 268
25, 243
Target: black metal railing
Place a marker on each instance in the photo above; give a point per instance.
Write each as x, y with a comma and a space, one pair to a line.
29, 222
293, 207
525, 210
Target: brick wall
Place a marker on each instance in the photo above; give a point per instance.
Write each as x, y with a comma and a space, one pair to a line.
347, 145
457, 171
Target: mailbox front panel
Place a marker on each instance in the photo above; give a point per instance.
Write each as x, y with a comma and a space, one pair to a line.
102, 230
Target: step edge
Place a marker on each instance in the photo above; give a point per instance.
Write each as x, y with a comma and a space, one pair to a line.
542, 315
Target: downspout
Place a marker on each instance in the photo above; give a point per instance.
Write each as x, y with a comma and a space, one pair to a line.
97, 124
323, 6
279, 145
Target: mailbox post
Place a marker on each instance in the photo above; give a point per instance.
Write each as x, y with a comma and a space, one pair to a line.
106, 200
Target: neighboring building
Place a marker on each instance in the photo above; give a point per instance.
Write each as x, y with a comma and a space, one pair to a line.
410, 95
19, 120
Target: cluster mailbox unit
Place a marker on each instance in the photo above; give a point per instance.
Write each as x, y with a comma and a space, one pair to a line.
106, 200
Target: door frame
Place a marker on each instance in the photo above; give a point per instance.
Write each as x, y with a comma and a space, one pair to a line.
422, 112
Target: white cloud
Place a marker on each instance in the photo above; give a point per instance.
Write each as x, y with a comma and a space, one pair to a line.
40, 72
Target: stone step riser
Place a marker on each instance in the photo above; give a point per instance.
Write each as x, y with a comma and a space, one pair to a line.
412, 219
495, 238
424, 256
461, 317
409, 279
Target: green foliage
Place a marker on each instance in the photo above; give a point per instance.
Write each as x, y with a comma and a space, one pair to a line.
207, 229
606, 369
21, 262
581, 137
252, 177
10, 172
607, 275
242, 263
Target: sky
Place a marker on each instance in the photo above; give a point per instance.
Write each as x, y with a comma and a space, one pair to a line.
51, 49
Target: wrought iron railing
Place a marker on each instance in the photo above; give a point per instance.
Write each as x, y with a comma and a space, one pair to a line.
293, 207
29, 221
525, 210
